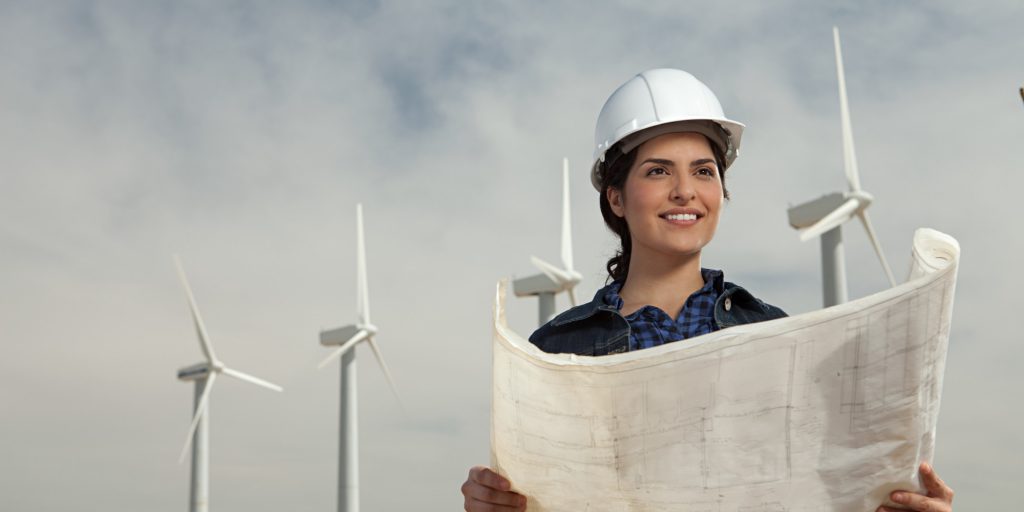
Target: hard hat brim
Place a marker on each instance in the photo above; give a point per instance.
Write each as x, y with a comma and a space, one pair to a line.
724, 133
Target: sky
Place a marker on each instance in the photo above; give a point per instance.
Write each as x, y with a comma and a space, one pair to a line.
241, 135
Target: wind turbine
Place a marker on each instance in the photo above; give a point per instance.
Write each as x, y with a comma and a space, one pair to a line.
204, 374
553, 279
825, 216
346, 338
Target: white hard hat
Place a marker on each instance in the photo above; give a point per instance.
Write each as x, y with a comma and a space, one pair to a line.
656, 102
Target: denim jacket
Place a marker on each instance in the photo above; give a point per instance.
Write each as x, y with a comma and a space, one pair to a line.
597, 329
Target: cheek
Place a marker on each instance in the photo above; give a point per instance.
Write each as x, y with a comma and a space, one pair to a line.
714, 201
713, 197
641, 198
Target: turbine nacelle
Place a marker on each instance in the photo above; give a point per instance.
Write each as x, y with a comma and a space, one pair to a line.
562, 278
827, 212
342, 335
194, 372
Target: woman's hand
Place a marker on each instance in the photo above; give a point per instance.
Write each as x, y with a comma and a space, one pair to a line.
486, 490
938, 499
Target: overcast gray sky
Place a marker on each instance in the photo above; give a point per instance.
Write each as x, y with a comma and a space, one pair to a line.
241, 135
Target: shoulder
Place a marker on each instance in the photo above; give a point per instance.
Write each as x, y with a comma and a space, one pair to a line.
737, 306
588, 329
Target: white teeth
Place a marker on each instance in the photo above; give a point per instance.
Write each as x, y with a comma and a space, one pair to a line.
681, 216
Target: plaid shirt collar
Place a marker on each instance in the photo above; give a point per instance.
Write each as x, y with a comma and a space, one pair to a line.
650, 326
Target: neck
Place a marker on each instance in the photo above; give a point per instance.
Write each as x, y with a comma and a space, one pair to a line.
660, 280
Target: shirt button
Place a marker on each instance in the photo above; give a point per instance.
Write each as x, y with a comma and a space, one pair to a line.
728, 303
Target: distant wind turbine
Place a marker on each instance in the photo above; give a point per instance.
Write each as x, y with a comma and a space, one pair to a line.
825, 216
553, 279
204, 374
346, 338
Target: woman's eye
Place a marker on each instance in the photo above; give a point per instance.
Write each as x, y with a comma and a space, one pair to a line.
706, 171
656, 171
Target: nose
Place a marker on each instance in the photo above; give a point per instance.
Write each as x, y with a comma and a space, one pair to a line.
683, 190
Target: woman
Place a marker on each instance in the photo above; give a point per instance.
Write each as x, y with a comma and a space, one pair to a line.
663, 145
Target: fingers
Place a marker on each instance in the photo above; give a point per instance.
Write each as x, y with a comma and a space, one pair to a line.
485, 490
474, 505
492, 496
920, 503
936, 487
939, 498
489, 478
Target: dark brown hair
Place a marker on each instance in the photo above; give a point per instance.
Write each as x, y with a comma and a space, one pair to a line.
613, 173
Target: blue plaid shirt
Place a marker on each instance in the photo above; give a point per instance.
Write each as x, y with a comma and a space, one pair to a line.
649, 326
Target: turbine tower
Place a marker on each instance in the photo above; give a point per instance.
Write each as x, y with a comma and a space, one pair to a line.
346, 338
552, 279
204, 374
825, 216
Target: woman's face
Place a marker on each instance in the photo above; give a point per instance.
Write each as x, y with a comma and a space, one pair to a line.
672, 196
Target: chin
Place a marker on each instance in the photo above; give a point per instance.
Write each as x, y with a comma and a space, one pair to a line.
690, 248
681, 251
674, 246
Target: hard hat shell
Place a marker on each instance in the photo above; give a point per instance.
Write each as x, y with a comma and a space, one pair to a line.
656, 102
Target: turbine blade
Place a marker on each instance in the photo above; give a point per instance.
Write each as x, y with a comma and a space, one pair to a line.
849, 155
833, 219
200, 412
249, 378
333, 355
359, 336
204, 339
566, 222
363, 299
572, 295
556, 274
387, 373
878, 247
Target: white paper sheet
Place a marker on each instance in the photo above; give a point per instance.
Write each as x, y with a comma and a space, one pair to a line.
825, 411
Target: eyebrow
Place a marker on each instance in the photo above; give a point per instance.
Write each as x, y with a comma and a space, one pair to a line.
670, 163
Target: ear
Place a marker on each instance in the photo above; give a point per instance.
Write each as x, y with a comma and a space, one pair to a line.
614, 196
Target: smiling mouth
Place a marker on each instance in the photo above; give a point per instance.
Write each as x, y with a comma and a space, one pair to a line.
681, 216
